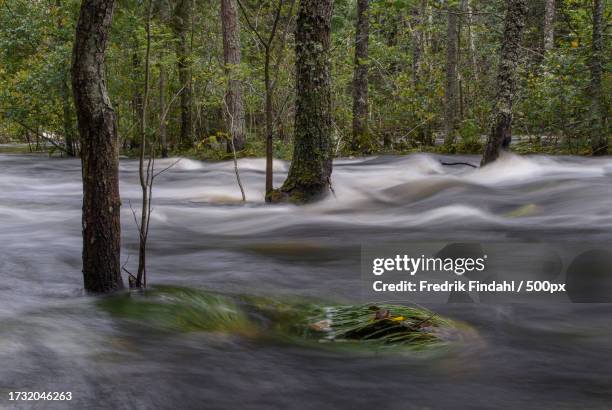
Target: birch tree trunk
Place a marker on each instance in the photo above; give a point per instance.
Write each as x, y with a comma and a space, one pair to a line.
469, 20
500, 134
99, 149
549, 25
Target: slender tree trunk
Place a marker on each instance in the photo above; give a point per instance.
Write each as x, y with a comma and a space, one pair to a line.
182, 26
549, 25
360, 76
267, 44
417, 40
451, 88
467, 9
65, 94
99, 149
231, 55
145, 169
500, 134
311, 167
269, 125
599, 139
163, 138
136, 99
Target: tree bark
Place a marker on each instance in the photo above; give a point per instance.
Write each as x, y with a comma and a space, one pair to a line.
360, 76
500, 134
99, 149
549, 25
599, 140
182, 26
234, 113
311, 167
451, 88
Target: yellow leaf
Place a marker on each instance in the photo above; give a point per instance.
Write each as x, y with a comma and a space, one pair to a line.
574, 43
398, 318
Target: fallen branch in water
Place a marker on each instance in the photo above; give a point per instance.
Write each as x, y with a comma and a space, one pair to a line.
459, 163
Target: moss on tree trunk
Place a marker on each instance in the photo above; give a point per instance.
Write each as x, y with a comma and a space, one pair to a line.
311, 167
501, 126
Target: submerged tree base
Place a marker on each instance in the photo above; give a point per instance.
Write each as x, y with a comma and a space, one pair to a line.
363, 327
298, 196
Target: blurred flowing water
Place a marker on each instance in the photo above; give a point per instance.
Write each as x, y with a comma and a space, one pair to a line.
55, 338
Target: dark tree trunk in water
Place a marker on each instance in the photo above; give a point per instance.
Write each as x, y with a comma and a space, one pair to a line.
451, 95
549, 25
311, 167
360, 76
234, 112
599, 139
500, 134
99, 149
182, 26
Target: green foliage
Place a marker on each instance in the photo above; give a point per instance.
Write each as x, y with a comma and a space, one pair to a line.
406, 107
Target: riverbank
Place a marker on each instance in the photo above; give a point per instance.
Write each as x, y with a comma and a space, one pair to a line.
216, 149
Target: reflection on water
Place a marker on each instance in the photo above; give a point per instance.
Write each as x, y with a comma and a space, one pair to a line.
53, 338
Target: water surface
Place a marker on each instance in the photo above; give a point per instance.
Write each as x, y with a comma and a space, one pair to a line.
54, 338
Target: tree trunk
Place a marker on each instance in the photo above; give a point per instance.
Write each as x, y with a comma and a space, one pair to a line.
65, 93
360, 76
549, 25
311, 167
99, 149
163, 138
145, 169
467, 9
182, 26
417, 40
234, 112
500, 134
451, 89
599, 140
269, 124
136, 99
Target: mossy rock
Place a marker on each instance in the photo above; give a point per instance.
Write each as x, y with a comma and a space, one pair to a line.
312, 323
368, 327
373, 327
